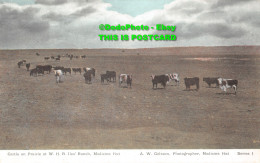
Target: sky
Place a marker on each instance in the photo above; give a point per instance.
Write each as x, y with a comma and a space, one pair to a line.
34, 24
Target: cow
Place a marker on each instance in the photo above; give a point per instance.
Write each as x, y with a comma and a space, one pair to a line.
83, 56
104, 77
91, 70
28, 66
34, 72
111, 75
37, 54
192, 81
173, 77
20, 64
58, 68
65, 70
76, 70
46, 58
224, 84
47, 68
87, 76
211, 80
57, 59
125, 78
163, 79
58, 75
52, 57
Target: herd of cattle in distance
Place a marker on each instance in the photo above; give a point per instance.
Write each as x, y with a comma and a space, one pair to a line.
110, 76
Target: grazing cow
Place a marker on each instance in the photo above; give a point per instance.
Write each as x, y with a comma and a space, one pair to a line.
58, 75
91, 70
210, 80
104, 77
57, 59
20, 64
87, 76
47, 68
28, 66
65, 70
224, 84
111, 75
52, 57
192, 81
76, 70
37, 54
163, 79
125, 78
46, 58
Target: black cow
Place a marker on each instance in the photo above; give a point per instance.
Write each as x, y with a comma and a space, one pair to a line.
104, 77
34, 72
57, 59
46, 58
210, 80
87, 76
76, 70
111, 75
20, 64
37, 54
192, 81
163, 79
28, 66
65, 70
52, 57
44, 68
83, 56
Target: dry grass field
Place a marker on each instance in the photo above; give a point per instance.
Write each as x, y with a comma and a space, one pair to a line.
37, 113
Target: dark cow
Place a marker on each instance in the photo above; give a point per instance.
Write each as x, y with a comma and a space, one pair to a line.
224, 84
34, 72
91, 70
46, 58
192, 81
65, 70
76, 70
87, 76
47, 68
104, 77
83, 56
57, 59
111, 75
37, 54
20, 64
125, 78
163, 79
28, 66
210, 80
52, 57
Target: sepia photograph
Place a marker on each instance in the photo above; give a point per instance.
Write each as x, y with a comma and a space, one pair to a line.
139, 74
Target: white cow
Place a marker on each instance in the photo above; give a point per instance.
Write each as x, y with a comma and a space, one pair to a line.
174, 77
59, 75
224, 84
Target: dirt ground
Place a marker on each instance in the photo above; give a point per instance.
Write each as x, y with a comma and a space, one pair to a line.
37, 113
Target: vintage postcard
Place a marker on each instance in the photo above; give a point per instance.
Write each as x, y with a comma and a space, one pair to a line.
130, 75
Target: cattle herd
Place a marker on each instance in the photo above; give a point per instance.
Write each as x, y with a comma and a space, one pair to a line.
110, 76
